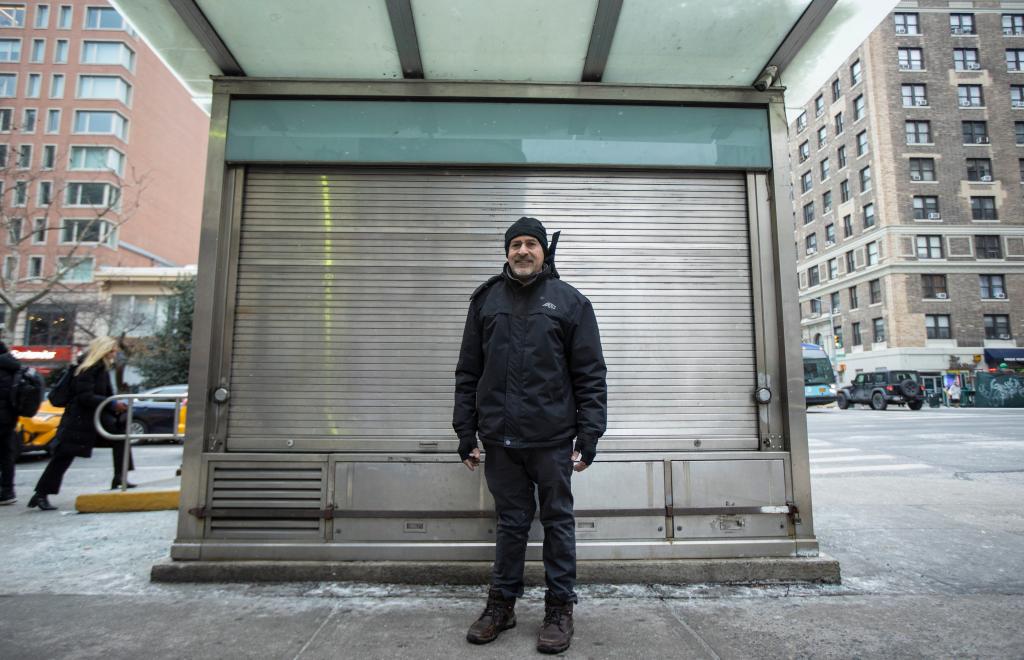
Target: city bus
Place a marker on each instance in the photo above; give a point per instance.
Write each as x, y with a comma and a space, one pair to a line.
819, 378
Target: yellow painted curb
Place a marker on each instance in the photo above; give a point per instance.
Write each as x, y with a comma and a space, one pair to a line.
118, 501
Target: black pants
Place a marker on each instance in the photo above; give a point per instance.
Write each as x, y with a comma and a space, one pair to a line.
512, 475
53, 475
8, 456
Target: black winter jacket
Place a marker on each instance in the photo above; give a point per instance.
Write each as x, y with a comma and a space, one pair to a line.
76, 433
9, 366
531, 372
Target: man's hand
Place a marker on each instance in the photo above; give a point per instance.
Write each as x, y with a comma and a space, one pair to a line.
577, 464
474, 459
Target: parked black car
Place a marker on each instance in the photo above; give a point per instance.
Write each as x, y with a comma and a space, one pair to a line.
881, 388
156, 416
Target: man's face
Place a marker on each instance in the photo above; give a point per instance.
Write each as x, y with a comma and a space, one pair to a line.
525, 256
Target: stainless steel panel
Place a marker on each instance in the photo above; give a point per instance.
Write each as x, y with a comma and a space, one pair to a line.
728, 483
353, 285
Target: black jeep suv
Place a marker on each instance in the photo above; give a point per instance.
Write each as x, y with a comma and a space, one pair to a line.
880, 388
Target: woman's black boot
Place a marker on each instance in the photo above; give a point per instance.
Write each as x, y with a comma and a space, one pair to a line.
40, 501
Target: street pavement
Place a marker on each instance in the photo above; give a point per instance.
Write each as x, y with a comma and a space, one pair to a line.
922, 509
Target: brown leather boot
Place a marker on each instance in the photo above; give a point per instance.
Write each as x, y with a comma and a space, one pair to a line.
556, 631
499, 614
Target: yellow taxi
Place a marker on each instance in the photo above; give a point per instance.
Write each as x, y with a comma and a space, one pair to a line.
37, 432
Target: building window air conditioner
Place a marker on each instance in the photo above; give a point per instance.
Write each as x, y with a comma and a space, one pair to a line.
941, 295
965, 102
915, 176
981, 140
956, 30
901, 30
934, 216
986, 178
811, 250
921, 102
1017, 104
974, 66
1004, 336
1000, 295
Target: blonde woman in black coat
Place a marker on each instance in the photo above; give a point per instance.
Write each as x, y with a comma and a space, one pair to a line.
76, 435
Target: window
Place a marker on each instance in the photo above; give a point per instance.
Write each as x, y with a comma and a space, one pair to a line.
25, 156
834, 303
838, 119
808, 212
919, 132
10, 267
872, 253
875, 291
926, 207
813, 276
39, 231
1014, 59
49, 325
91, 194
851, 265
97, 159
847, 226
830, 234
806, 181
862, 143
822, 136
824, 168
8, 85
112, 88
60, 52
975, 132
10, 50
1013, 24
138, 315
826, 202
929, 247
983, 208
78, 269
49, 156
854, 302
3, 162
53, 121
28, 120
86, 231
913, 95
979, 169
969, 96
108, 52
934, 287
20, 193
819, 105
833, 269
910, 59
965, 59
997, 326
855, 331
64, 17
815, 304
869, 216
103, 18
804, 151
1020, 166
811, 243
45, 193
57, 86
841, 156
35, 267
856, 73
961, 23
801, 122
12, 16
992, 286
14, 231
906, 23
42, 17
1018, 129
100, 122
859, 108
937, 326
1017, 96
865, 179
837, 90
922, 169
988, 247
38, 51
844, 190
878, 327
32, 84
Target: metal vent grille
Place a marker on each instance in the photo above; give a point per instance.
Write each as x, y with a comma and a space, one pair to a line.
266, 501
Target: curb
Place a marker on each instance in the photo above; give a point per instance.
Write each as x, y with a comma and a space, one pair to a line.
121, 502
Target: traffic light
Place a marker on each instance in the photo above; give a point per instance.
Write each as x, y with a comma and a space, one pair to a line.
838, 341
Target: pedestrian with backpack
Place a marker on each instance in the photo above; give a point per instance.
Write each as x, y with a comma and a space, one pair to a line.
76, 435
9, 368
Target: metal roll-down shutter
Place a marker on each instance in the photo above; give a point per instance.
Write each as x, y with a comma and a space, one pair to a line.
353, 286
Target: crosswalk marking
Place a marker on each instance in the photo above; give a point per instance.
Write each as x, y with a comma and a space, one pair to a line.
869, 468
837, 450
846, 459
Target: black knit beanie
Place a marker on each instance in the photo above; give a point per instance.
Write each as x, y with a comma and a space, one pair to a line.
525, 226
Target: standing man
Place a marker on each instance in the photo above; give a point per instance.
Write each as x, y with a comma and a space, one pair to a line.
530, 379
9, 441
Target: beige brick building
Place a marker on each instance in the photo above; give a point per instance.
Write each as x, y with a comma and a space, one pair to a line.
908, 175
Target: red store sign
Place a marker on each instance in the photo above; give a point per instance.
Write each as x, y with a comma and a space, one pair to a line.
42, 353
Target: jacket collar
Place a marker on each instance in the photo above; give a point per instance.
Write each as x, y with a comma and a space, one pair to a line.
544, 274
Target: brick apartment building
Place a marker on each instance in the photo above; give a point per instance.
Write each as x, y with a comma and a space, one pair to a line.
908, 174
93, 125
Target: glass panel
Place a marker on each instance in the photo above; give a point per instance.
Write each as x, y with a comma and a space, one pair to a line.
469, 132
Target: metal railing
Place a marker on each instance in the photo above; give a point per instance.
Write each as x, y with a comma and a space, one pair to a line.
128, 436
